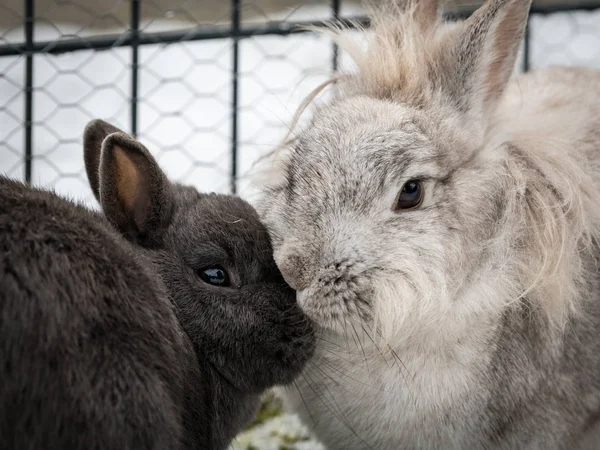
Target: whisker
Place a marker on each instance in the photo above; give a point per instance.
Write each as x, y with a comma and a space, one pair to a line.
338, 417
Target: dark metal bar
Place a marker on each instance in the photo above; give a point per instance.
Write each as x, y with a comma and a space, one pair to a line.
335, 11
29, 52
527, 46
196, 34
135, 34
235, 31
201, 34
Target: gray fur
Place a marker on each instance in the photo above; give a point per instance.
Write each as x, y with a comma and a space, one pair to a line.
473, 321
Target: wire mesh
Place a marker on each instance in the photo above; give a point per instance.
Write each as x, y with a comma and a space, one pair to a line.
208, 86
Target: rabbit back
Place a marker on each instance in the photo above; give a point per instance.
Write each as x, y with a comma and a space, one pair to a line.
90, 348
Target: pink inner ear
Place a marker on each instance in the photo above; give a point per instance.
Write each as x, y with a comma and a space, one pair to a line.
140, 209
130, 188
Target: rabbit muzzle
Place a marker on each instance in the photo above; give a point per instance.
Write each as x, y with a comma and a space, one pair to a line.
295, 272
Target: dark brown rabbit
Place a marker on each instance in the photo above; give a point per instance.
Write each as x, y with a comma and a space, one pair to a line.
156, 325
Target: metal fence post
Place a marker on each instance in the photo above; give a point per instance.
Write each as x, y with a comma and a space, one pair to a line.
335, 10
29, 52
235, 34
135, 39
526, 46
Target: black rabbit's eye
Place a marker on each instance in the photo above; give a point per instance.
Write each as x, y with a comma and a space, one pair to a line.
411, 196
217, 276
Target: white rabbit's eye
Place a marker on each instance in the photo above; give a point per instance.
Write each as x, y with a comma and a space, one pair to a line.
217, 276
411, 196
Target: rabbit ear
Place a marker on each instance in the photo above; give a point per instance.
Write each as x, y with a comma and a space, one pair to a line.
427, 12
482, 56
135, 194
93, 136
424, 12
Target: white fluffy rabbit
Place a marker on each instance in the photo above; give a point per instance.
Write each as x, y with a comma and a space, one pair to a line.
440, 221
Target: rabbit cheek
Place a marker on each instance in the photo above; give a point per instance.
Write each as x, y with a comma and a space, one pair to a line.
280, 341
295, 343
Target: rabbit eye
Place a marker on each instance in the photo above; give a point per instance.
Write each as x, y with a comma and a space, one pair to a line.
217, 276
411, 196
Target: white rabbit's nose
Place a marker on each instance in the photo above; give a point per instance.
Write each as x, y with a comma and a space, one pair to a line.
294, 269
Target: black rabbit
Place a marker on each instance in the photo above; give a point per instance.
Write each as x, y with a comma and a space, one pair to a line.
156, 325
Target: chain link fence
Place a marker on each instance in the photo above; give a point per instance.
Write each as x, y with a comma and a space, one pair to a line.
207, 85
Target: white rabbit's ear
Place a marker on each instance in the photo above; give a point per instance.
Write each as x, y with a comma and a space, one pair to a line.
427, 12
482, 54
424, 12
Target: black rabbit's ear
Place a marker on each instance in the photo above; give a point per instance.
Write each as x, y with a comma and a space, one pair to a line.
134, 193
95, 132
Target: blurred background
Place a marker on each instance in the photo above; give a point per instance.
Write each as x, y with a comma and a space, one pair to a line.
207, 85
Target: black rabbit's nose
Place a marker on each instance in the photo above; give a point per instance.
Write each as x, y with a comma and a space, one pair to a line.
294, 269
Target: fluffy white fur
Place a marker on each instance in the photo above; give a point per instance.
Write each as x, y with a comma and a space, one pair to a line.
424, 316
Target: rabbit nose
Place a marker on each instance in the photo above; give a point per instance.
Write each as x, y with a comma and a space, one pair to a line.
294, 270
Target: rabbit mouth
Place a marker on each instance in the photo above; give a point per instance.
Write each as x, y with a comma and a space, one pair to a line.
335, 310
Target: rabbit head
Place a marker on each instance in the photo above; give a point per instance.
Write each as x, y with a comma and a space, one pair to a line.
214, 258
399, 196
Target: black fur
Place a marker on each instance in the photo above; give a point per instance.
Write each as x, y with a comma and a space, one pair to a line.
109, 339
